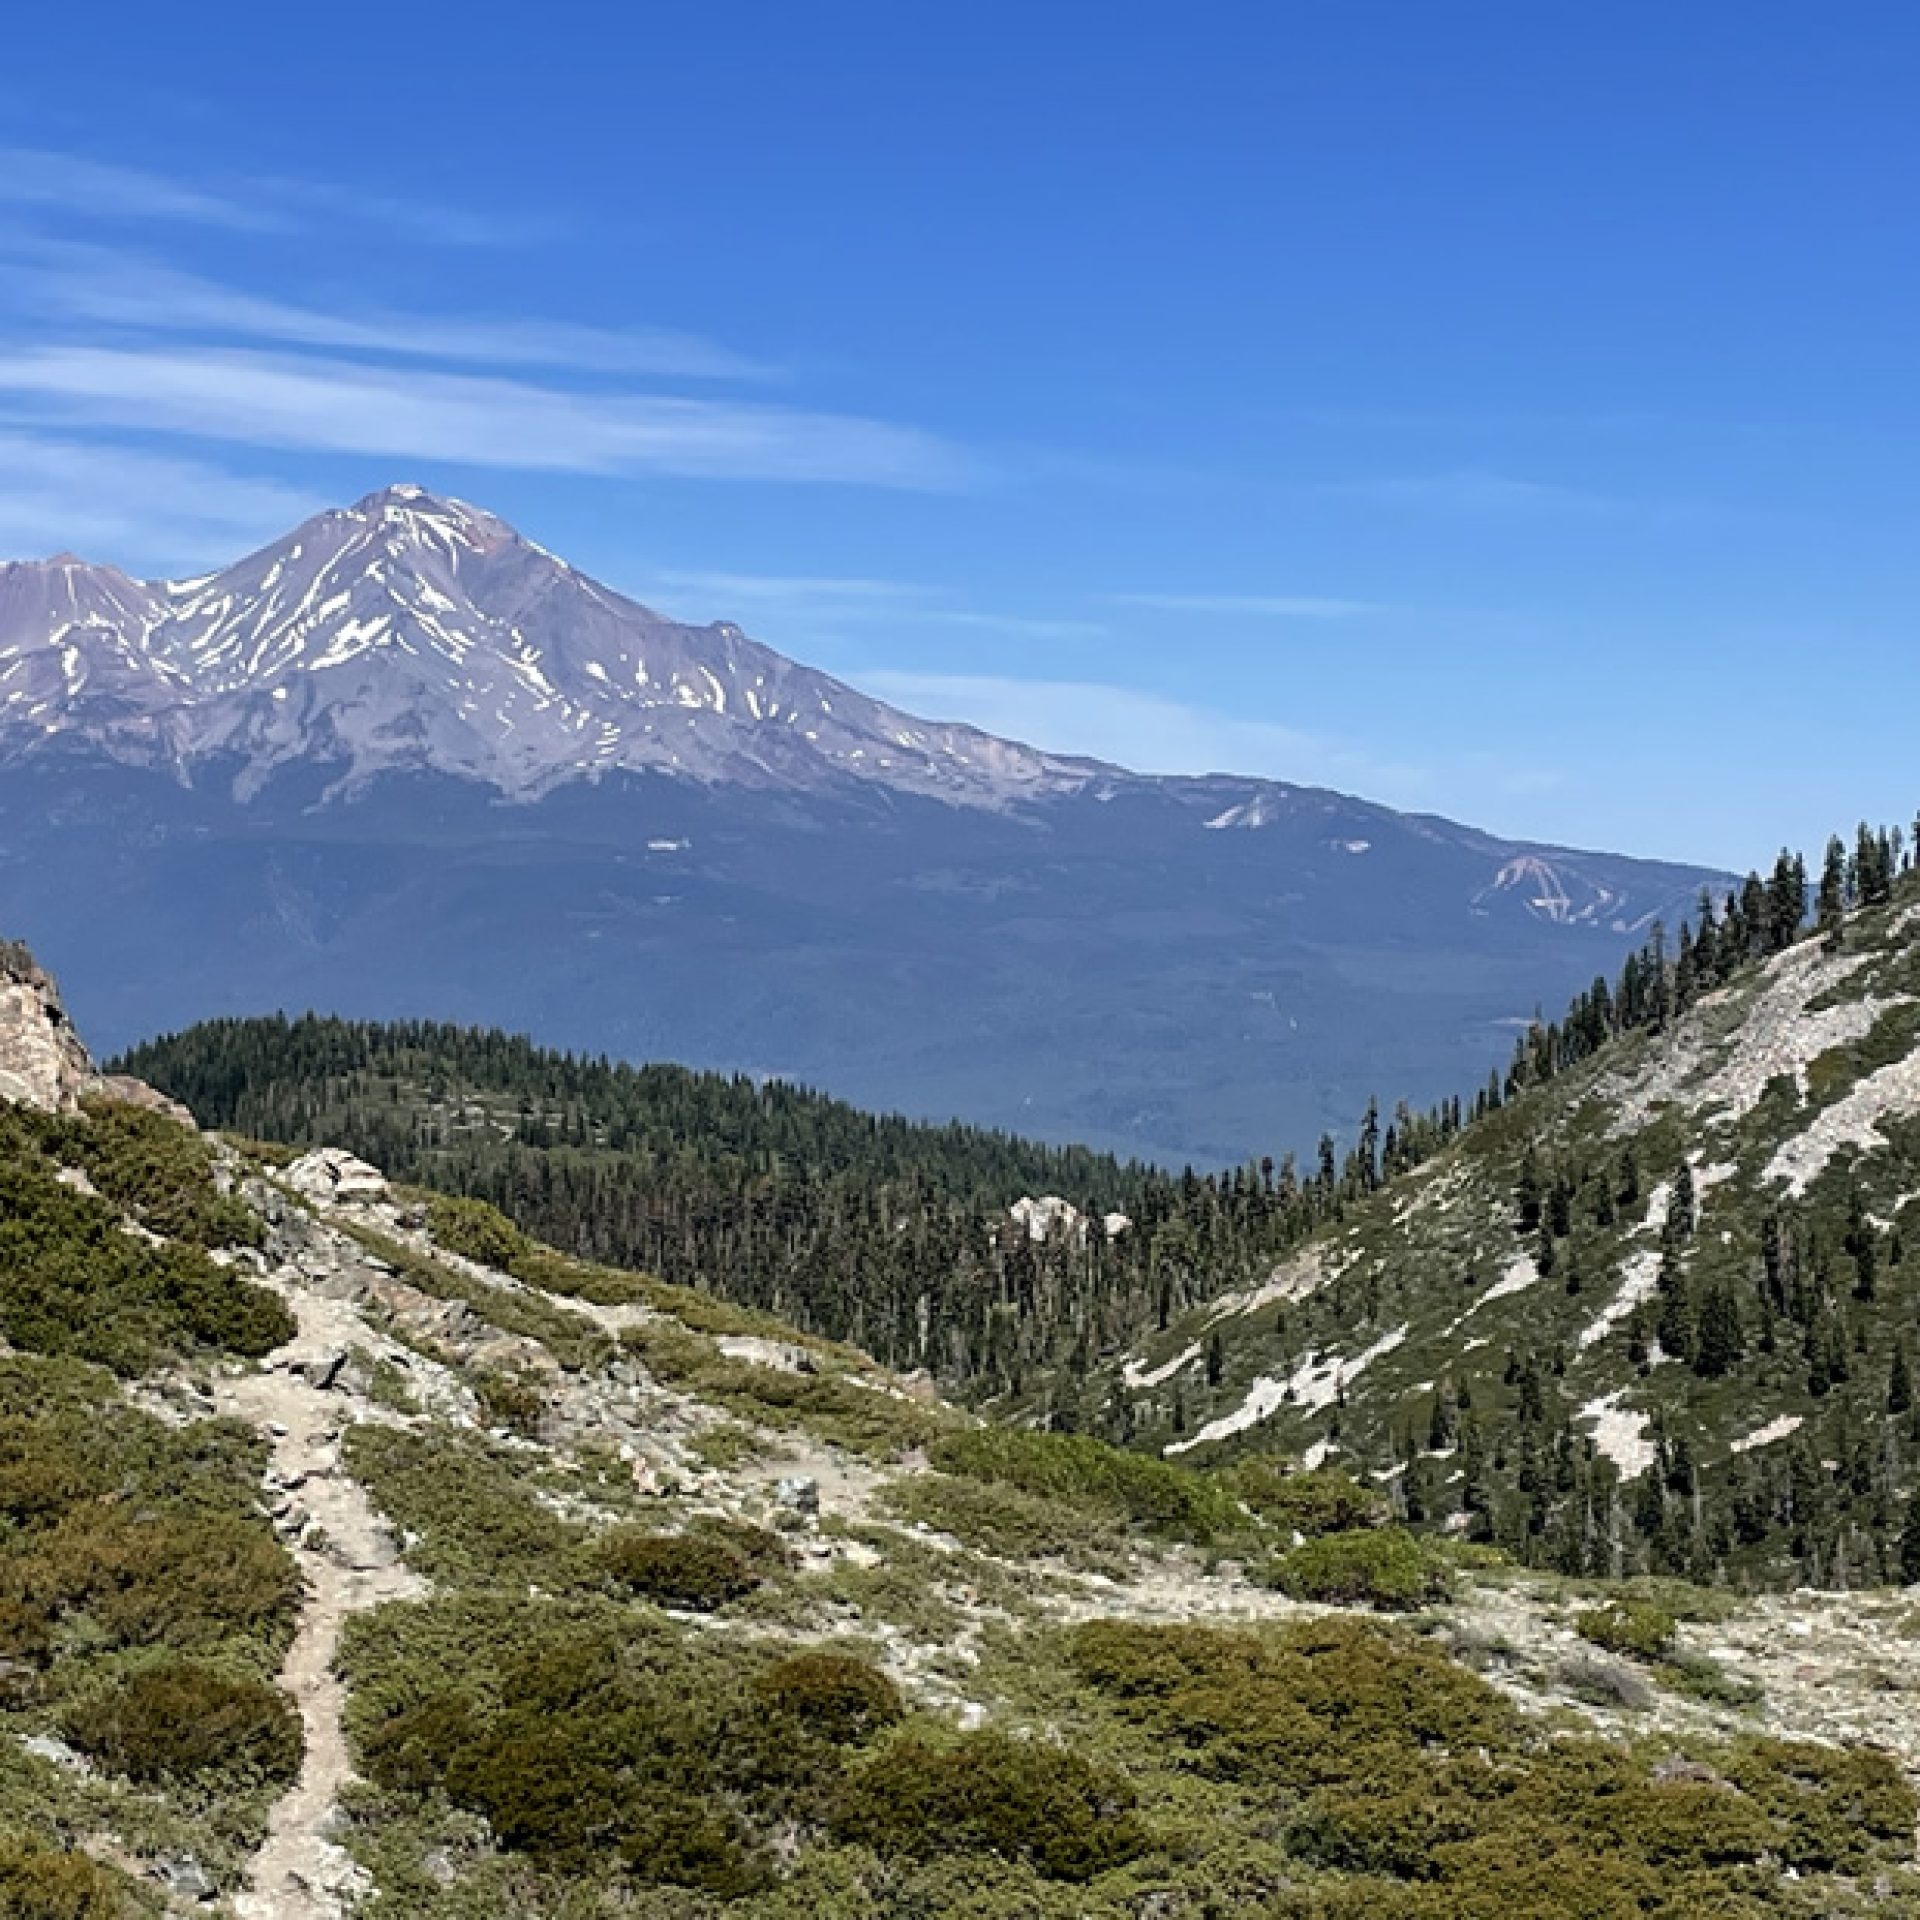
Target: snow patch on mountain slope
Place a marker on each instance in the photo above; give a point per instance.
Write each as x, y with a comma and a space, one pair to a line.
1723, 1076
1638, 1278
1853, 1121
1619, 1433
1137, 1375
1315, 1383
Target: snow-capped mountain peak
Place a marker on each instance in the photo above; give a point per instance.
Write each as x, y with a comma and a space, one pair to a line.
411, 631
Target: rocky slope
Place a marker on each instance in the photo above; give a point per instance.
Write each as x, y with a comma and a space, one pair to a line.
1659, 1310
551, 1590
406, 761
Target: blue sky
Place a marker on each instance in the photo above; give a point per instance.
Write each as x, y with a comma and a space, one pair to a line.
1503, 410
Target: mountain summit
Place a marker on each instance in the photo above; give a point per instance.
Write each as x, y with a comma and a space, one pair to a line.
405, 761
410, 632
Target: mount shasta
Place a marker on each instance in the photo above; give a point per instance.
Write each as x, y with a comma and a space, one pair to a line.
406, 761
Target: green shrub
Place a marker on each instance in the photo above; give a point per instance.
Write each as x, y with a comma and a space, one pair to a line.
464, 1501
510, 1400
1634, 1627
477, 1232
585, 1740
1840, 1809
833, 1695
765, 1553
176, 1720
1421, 1782
176, 1579
1313, 1703
1387, 1568
42, 1883
1023, 1800
995, 1518
1322, 1500
1155, 1495
158, 1170
73, 1282
683, 1570
830, 1405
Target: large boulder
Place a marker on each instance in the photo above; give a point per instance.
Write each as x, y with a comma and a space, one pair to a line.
332, 1177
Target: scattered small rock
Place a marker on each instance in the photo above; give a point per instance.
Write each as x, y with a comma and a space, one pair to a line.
181, 1874
799, 1494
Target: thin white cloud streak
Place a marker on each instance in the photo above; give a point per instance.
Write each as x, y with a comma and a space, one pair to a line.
1019, 625
434, 222
786, 589
802, 601
147, 513
65, 183
1146, 731
100, 285
85, 188
1264, 606
1477, 494
1473, 491
340, 406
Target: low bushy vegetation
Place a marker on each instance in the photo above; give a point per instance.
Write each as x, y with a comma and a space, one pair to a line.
74, 1281
826, 1403
155, 1168
993, 1517
1636, 1627
1312, 1501
841, 1699
598, 1743
477, 1231
1387, 1567
177, 1719
462, 1503
117, 1531
696, 1572
1028, 1801
145, 1610
39, 1882
1419, 1782
1161, 1499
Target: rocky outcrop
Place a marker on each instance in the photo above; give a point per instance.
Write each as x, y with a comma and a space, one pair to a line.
42, 1061
331, 1177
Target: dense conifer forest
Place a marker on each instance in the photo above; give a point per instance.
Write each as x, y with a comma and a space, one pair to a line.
875, 1229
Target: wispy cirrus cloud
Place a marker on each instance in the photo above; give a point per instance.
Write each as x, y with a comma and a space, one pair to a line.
345, 406
108, 287
149, 512
1473, 490
81, 187
1147, 731
793, 589
62, 183
809, 601
1021, 626
1260, 606
433, 222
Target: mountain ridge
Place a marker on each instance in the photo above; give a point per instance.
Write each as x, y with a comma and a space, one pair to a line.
406, 763
452, 643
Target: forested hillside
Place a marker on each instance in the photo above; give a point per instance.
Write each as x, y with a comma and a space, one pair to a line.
886, 1232
1656, 1307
